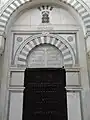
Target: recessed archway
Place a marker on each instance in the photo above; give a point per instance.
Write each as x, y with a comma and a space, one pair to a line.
78, 6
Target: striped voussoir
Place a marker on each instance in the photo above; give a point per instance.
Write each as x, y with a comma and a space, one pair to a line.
76, 4
22, 58
82, 11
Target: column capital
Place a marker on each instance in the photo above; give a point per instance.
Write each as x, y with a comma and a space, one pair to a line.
2, 43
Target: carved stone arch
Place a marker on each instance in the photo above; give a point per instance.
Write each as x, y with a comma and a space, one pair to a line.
32, 42
12, 6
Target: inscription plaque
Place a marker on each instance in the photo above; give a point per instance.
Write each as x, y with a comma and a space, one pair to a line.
45, 94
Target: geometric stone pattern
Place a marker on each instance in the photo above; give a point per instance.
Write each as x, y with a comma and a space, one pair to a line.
60, 43
12, 7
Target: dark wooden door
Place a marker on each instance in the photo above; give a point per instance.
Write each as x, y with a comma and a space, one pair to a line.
45, 94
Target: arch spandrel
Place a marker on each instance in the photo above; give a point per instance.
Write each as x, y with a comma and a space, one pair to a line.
60, 43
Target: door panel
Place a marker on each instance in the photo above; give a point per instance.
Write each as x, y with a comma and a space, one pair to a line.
45, 95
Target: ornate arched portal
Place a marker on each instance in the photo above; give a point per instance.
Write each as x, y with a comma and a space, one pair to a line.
70, 42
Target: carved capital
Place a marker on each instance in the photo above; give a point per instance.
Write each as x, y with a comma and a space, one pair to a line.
2, 42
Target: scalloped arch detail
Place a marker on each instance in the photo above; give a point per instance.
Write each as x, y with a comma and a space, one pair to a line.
14, 5
58, 42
